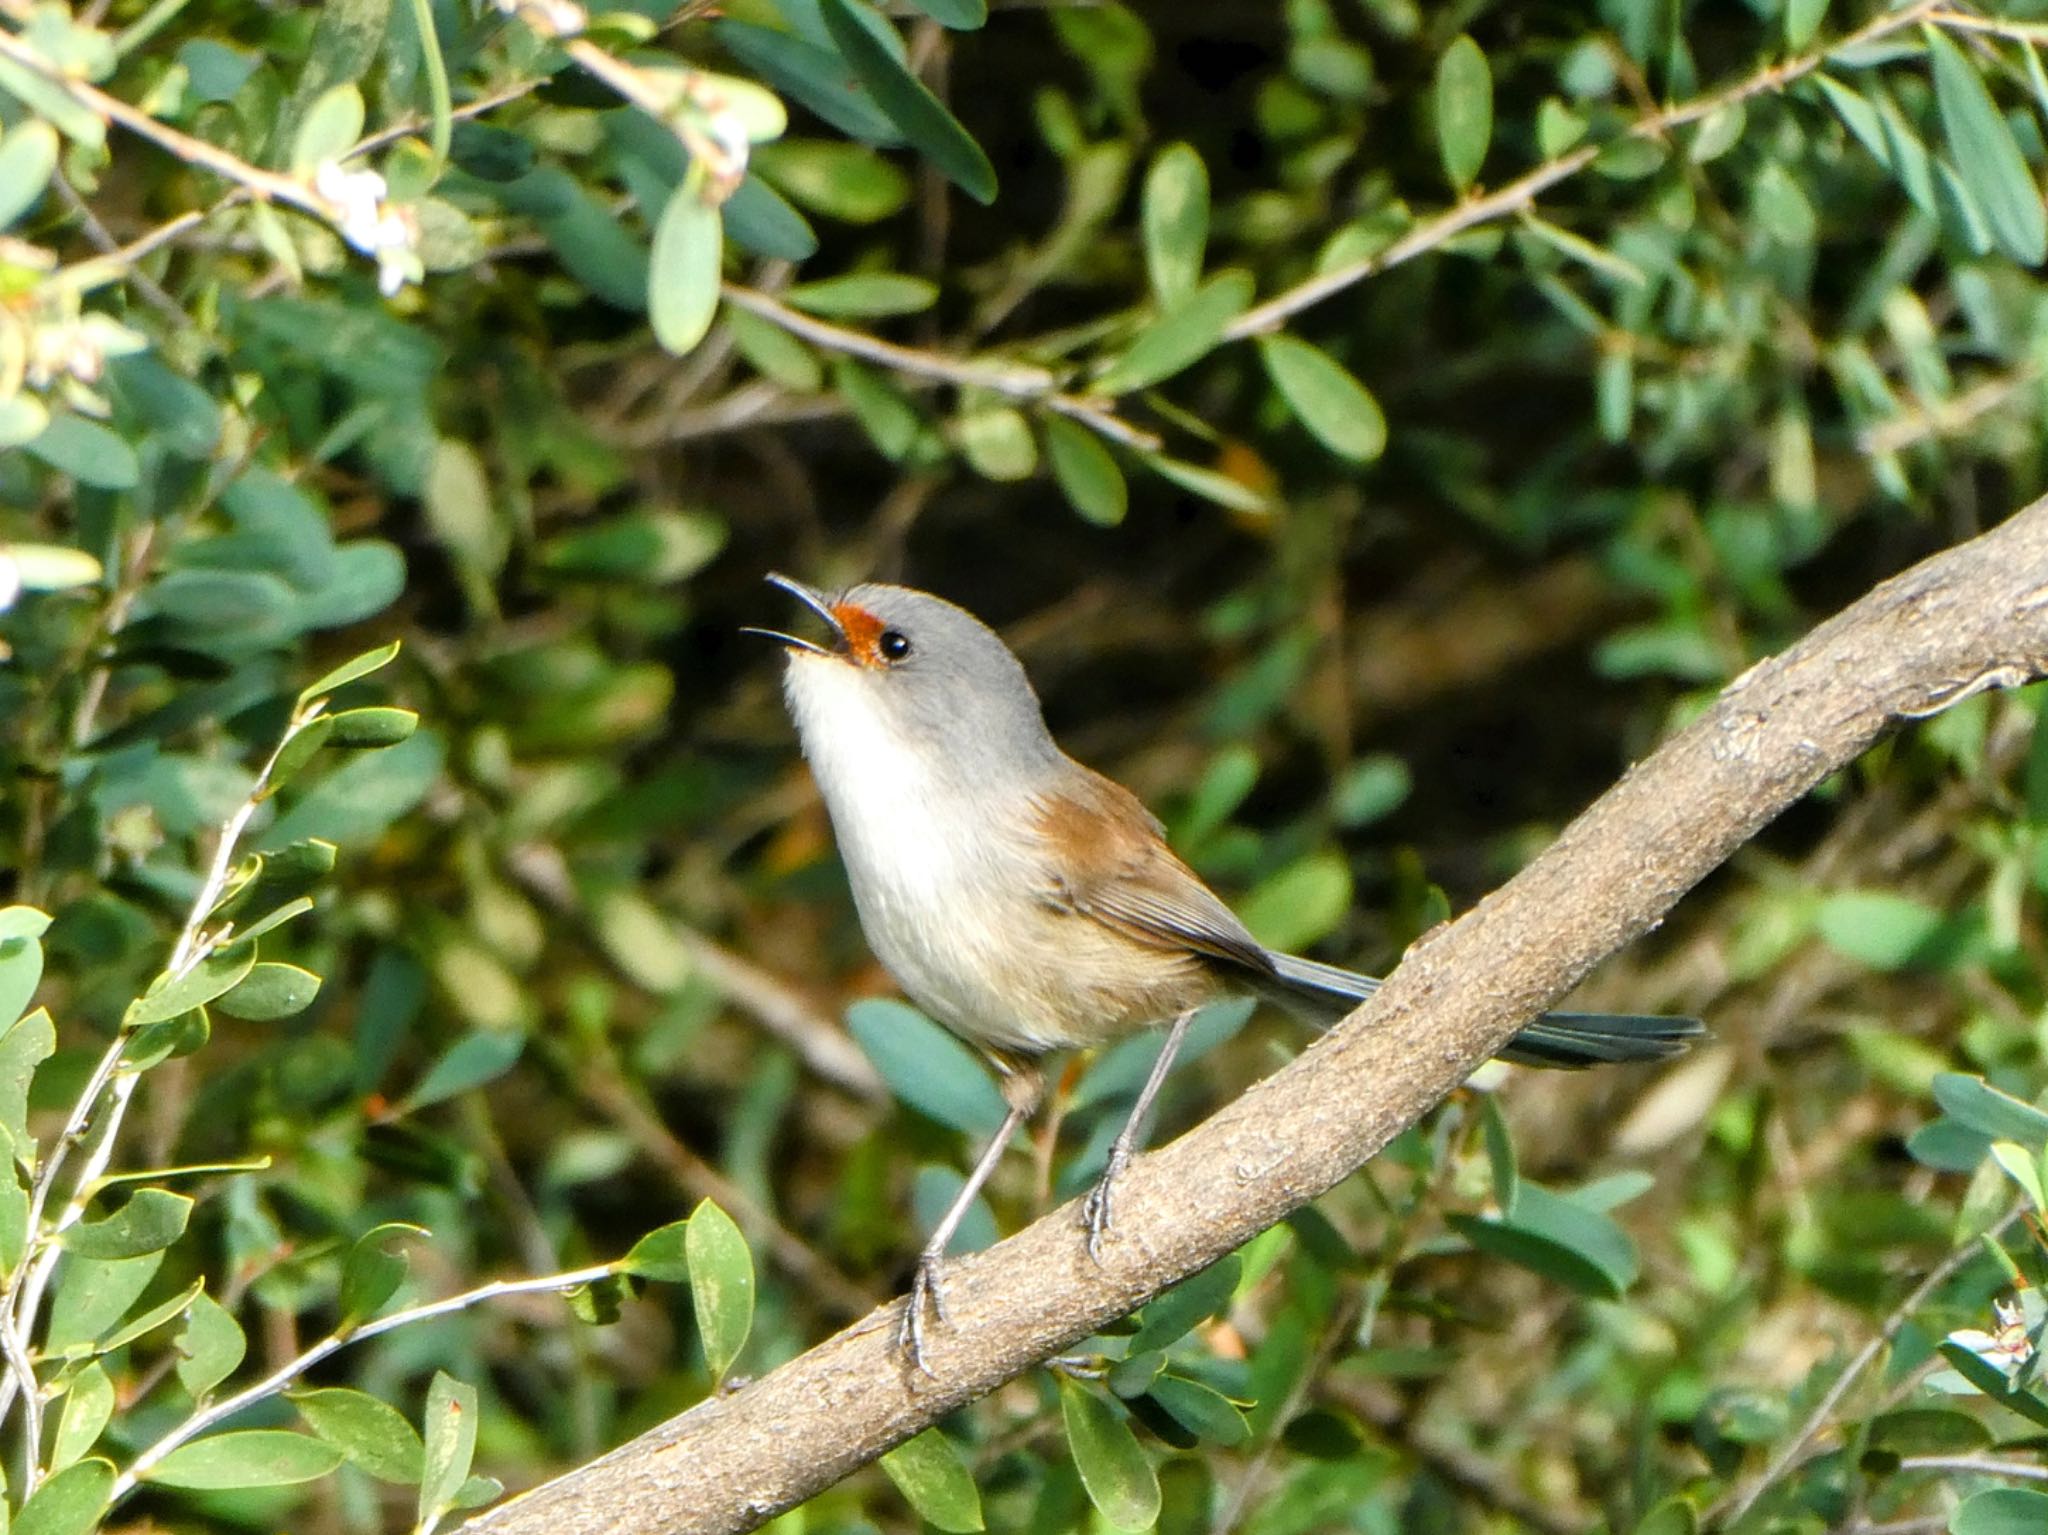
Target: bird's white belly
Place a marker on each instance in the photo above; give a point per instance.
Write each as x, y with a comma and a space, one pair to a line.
932, 886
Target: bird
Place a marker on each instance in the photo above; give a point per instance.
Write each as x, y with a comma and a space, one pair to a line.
1028, 903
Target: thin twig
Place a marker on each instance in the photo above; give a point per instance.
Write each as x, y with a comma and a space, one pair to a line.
1731, 1509
1020, 381
1971, 1465
1523, 191
293, 1368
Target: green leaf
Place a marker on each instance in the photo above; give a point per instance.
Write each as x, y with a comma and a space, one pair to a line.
155, 1317
662, 1254
350, 671
27, 1043
252, 1457
1201, 1410
1086, 472
721, 1285
1169, 1316
210, 1348
69, 1503
1802, 20
88, 452
2024, 1168
361, 797
923, 118
370, 729
1929, 1431
151, 1220
961, 16
216, 973
370, 1433
87, 1408
271, 991
297, 749
329, 129
1181, 336
1882, 930
1553, 1235
684, 264
1175, 219
22, 922
1991, 1381
1293, 907
926, 1067
21, 972
1464, 110
864, 295
935, 1481
1120, 1480
1209, 484
28, 155
450, 1445
2001, 1511
1333, 405
997, 444
1674, 1516
1500, 1154
480, 1056
460, 508
1978, 1105
811, 74
373, 1272
1985, 154
884, 412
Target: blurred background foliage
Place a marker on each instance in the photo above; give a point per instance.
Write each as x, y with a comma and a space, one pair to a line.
1374, 424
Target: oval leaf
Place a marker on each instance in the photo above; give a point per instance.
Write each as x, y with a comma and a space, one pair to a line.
1464, 110
1336, 407
932, 1477
450, 1445
27, 157
721, 1285
255, 1457
1120, 1480
682, 270
1086, 472
151, 1221
372, 1434
69, 1503
1175, 217
903, 99
1986, 155
1181, 336
271, 991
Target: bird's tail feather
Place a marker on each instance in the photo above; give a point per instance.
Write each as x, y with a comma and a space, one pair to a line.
1563, 1041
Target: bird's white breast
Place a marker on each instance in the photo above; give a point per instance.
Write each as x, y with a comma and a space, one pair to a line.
929, 873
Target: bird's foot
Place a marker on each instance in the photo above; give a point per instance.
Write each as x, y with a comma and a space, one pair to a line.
1096, 1210
925, 1293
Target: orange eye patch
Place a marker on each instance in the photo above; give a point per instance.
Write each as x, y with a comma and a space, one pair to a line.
862, 629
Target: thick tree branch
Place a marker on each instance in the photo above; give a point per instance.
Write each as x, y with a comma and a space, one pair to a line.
1974, 617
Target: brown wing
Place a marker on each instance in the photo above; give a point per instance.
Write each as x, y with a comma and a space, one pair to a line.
1112, 863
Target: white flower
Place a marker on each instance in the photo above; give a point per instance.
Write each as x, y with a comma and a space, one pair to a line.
371, 225
2006, 1350
555, 18
10, 581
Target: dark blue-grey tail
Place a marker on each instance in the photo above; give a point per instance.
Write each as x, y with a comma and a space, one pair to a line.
1562, 1041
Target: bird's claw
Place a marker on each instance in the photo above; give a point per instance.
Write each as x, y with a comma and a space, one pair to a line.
1096, 1210
925, 1291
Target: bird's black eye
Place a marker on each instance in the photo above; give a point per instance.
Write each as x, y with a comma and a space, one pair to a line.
894, 644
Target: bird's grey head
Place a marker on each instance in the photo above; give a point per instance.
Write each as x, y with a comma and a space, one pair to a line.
900, 668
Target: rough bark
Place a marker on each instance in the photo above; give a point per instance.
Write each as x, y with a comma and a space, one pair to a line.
1971, 618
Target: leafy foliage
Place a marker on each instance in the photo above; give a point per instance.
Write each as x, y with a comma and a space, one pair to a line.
1447, 397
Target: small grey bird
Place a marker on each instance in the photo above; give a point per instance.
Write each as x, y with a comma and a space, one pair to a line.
1028, 903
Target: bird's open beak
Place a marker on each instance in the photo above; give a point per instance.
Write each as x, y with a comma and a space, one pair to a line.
819, 604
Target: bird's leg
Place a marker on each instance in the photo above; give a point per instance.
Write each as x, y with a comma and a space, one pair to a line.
1095, 1210
1021, 1088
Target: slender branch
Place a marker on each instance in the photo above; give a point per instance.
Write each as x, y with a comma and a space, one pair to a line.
1731, 1509
1523, 191
1971, 1465
1920, 640
1020, 381
293, 1368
